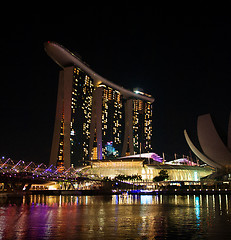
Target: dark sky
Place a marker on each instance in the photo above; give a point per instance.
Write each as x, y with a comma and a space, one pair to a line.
179, 54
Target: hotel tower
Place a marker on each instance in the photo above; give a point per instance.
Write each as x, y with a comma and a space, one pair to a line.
95, 118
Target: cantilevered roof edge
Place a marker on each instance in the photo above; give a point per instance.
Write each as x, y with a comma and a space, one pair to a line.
64, 58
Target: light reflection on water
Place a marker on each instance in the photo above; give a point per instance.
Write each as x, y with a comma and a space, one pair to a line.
116, 217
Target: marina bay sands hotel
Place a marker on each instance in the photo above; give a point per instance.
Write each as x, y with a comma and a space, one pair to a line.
95, 118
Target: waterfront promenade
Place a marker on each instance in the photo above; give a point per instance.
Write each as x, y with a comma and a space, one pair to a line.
131, 192
22, 178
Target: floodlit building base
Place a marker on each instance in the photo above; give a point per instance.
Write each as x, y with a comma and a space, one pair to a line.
113, 168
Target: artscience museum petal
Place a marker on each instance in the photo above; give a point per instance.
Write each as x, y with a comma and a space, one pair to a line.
215, 153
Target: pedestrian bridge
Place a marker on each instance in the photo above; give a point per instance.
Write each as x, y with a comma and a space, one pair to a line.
15, 175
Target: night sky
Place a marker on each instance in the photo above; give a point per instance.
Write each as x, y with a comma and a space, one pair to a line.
181, 55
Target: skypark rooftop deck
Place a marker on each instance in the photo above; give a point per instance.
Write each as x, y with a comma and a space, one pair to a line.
64, 58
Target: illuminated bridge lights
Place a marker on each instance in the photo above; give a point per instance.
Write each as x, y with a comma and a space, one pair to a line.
22, 170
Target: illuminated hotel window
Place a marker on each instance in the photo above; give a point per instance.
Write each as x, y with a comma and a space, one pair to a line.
81, 111
142, 125
111, 119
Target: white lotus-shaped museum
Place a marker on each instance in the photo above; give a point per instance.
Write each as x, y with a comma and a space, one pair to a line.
215, 152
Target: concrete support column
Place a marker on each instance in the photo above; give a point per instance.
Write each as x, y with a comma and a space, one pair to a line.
63, 107
128, 134
96, 122
68, 82
57, 125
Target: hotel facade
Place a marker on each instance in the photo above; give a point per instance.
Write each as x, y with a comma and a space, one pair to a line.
95, 118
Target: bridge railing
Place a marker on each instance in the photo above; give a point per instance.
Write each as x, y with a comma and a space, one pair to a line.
33, 170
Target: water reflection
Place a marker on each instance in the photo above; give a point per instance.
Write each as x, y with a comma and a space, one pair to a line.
197, 209
146, 199
218, 203
115, 217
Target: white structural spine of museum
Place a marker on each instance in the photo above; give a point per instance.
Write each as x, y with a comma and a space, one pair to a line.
216, 154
